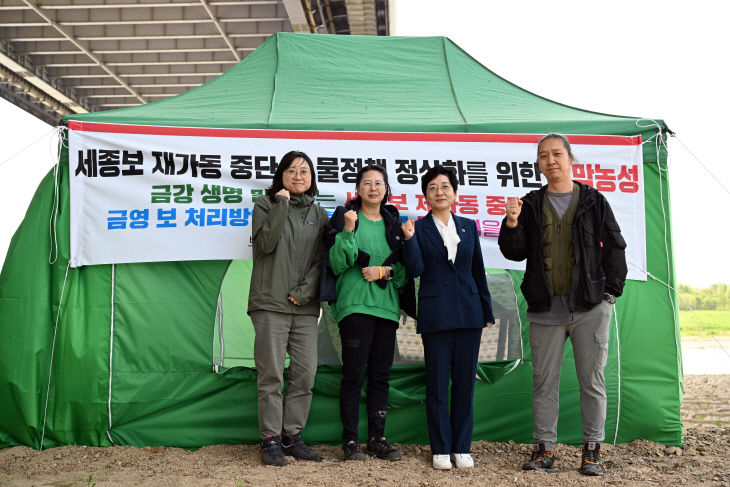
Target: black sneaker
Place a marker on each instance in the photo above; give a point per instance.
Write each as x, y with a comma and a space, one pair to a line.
352, 451
271, 451
591, 463
295, 447
542, 460
379, 447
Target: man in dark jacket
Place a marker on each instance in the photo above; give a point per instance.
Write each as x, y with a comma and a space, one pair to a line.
575, 269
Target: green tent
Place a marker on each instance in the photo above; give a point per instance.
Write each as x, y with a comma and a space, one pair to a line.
123, 354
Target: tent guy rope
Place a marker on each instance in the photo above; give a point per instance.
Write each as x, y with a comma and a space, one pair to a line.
53, 131
702, 165
53, 350
618, 381
719, 343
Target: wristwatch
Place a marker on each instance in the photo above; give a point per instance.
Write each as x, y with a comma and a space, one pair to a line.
610, 298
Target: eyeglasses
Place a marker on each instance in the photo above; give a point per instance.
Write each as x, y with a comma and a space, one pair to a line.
294, 173
370, 184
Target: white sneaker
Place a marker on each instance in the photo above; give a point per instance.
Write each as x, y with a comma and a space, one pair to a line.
463, 460
442, 462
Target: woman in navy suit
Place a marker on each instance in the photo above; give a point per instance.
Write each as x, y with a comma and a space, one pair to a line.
453, 307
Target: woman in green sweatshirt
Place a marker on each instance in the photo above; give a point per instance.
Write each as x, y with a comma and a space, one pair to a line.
366, 260
284, 305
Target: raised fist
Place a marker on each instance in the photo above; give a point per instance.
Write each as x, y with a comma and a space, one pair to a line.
408, 229
514, 208
350, 219
283, 192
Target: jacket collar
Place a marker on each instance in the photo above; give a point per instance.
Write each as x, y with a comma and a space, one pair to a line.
301, 200
432, 233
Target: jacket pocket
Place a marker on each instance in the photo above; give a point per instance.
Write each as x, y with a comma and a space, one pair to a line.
593, 290
588, 233
613, 235
428, 289
530, 290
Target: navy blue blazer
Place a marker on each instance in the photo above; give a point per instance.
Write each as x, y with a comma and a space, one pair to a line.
452, 295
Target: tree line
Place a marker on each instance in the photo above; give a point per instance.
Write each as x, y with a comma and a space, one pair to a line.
715, 297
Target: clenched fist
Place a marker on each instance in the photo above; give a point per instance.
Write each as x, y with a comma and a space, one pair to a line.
283, 192
514, 208
350, 219
372, 273
408, 229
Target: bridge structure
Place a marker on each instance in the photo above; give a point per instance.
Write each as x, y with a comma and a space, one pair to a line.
59, 57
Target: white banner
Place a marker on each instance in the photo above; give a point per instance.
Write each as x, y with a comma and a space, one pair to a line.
150, 194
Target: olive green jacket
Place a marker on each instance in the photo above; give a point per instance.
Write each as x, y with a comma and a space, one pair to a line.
287, 245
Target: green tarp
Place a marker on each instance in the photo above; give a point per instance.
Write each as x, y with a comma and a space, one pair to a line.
128, 358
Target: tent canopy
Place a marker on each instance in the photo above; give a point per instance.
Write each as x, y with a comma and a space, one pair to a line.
129, 346
327, 82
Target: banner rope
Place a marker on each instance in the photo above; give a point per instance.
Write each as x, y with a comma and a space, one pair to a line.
659, 142
56, 156
53, 351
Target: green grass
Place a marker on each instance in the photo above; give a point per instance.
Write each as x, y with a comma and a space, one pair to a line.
716, 323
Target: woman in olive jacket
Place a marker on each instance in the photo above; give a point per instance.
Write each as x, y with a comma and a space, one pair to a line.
284, 305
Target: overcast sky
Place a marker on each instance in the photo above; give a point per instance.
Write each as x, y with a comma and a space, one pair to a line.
653, 59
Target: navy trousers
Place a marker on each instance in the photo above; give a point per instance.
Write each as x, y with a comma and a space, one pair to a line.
453, 355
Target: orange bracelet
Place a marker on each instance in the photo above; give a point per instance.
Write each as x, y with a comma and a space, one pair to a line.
380, 272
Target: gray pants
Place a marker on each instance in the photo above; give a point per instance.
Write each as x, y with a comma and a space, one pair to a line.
277, 334
589, 335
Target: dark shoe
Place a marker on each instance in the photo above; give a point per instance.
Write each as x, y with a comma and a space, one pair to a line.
295, 447
271, 453
591, 463
542, 460
379, 447
352, 451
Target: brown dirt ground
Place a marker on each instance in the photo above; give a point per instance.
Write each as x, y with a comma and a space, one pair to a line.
705, 413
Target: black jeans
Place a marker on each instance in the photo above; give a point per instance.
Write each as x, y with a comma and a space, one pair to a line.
368, 344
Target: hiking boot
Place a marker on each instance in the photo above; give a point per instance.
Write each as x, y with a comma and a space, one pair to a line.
271, 453
379, 447
542, 460
352, 451
591, 463
295, 447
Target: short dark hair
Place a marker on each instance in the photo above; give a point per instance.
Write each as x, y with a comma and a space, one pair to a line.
278, 183
381, 170
437, 171
562, 138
